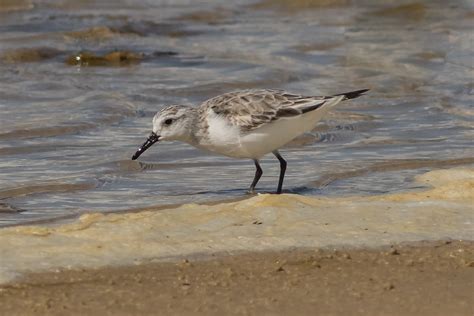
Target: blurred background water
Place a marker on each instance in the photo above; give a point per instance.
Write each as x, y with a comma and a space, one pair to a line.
80, 81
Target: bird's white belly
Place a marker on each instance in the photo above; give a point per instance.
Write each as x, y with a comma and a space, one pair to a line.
277, 134
227, 139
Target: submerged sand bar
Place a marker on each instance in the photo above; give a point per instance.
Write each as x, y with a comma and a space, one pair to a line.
265, 222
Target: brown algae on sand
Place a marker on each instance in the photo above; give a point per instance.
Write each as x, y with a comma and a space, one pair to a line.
109, 59
442, 211
117, 59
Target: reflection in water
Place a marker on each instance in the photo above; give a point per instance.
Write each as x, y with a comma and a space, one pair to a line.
68, 127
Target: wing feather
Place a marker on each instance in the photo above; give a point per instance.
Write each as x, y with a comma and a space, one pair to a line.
251, 109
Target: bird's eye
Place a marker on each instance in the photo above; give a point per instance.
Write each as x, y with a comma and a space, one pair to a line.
169, 121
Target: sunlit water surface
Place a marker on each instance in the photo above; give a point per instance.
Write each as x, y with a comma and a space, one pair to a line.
68, 125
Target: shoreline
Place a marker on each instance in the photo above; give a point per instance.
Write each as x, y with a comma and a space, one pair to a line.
409, 253
258, 224
420, 278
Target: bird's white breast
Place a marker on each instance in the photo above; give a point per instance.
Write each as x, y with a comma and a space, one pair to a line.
222, 137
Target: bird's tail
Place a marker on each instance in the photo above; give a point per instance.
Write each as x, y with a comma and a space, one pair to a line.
352, 94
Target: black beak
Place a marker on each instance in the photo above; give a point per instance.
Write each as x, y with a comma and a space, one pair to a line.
153, 138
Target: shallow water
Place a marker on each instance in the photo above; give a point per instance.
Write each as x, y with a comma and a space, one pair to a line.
69, 123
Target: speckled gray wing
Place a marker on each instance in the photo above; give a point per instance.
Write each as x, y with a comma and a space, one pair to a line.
253, 108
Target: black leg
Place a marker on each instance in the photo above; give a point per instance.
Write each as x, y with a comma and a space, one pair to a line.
282, 170
258, 174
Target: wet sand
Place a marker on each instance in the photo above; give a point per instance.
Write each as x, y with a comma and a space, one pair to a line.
427, 278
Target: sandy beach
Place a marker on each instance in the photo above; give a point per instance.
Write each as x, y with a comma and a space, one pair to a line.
426, 278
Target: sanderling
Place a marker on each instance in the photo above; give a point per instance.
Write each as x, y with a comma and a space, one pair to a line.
244, 124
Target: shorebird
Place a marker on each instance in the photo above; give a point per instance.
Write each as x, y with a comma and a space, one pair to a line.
244, 124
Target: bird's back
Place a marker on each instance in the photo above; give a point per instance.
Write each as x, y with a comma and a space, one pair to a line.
251, 123
250, 109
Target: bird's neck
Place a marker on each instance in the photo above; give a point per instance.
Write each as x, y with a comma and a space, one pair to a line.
195, 125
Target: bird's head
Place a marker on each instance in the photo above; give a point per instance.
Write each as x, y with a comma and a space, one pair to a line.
171, 123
